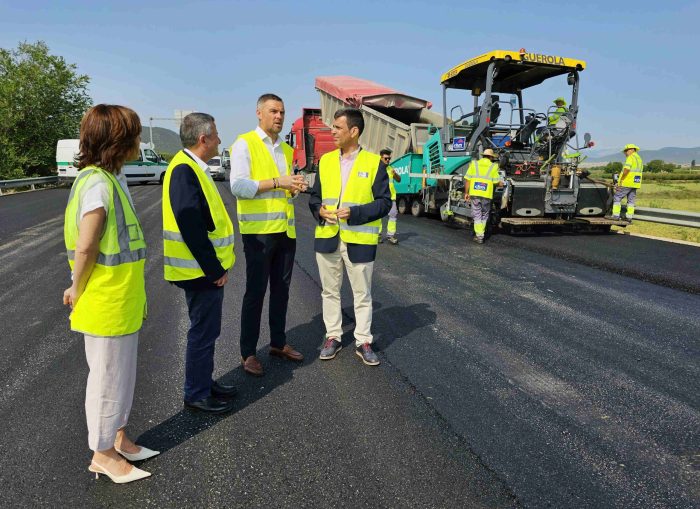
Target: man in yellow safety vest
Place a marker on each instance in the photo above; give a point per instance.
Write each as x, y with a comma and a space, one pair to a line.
554, 117
628, 182
264, 187
481, 177
348, 200
385, 154
198, 253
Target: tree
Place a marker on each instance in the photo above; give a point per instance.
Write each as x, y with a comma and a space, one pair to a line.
658, 166
692, 163
42, 99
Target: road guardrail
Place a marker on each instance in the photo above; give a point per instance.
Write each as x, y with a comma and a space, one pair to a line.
666, 216
663, 216
29, 182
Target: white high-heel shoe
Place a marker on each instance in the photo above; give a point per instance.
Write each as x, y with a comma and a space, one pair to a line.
143, 454
134, 474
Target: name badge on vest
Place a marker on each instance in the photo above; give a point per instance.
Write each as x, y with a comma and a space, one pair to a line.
362, 174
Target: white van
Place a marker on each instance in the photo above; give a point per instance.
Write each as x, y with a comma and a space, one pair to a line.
150, 167
216, 168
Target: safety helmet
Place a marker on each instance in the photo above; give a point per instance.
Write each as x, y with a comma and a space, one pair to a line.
560, 99
488, 153
629, 146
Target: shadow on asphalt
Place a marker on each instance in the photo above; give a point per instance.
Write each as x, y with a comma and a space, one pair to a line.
388, 325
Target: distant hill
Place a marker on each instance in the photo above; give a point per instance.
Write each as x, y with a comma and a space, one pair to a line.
677, 155
165, 140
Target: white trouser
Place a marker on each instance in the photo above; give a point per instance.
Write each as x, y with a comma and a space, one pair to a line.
330, 268
110, 386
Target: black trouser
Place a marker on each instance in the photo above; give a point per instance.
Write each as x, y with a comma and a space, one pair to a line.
268, 257
204, 308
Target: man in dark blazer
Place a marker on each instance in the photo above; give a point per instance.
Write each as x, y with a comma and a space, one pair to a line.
198, 242
349, 197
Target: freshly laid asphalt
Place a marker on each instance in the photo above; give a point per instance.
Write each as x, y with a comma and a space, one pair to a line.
547, 371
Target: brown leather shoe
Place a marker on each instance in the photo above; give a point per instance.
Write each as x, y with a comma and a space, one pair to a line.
287, 352
252, 366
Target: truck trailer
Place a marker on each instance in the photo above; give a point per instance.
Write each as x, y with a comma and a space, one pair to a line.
393, 120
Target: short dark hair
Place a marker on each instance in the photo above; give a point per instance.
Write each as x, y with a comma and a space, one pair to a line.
268, 97
108, 135
353, 117
385, 152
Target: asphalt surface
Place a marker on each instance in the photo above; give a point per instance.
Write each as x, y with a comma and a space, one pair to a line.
550, 371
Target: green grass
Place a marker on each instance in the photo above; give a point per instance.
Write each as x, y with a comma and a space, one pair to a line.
675, 195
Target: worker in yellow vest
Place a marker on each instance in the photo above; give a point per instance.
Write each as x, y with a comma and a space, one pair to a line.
554, 117
628, 182
265, 188
385, 155
481, 177
106, 254
348, 200
198, 241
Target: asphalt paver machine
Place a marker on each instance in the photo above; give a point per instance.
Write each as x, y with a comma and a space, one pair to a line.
538, 150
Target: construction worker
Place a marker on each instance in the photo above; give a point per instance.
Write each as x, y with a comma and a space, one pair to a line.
628, 182
349, 198
385, 155
264, 185
481, 177
553, 118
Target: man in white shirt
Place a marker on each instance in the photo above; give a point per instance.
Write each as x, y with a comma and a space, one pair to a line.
262, 182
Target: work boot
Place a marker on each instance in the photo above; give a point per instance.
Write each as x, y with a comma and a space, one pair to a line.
393, 240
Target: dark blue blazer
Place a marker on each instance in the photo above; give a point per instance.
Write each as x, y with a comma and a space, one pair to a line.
359, 214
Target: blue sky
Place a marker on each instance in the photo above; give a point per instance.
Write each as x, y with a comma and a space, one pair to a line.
642, 84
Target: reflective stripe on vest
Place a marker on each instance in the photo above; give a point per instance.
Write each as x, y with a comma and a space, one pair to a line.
114, 300
271, 211
357, 191
179, 262
634, 176
482, 175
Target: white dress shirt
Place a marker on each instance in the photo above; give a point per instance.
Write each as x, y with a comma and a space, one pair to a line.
202, 164
242, 186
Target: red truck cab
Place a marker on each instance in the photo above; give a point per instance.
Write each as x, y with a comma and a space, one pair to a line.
310, 138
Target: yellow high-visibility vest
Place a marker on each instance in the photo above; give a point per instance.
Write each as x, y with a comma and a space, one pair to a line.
392, 189
114, 300
271, 211
482, 176
358, 191
179, 262
554, 117
635, 165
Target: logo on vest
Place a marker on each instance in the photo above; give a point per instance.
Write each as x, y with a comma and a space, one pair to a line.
637, 179
480, 186
362, 174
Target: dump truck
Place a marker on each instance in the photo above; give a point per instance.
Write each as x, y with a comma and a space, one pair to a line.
310, 138
538, 149
393, 120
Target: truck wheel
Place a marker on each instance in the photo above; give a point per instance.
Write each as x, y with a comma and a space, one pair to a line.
417, 208
402, 205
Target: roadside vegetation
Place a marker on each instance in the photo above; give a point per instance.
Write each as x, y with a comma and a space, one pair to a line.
665, 186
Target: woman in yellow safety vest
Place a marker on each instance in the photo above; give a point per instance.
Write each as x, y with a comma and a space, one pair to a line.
106, 253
